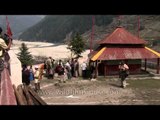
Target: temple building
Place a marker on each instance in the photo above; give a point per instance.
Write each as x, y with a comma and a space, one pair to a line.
121, 45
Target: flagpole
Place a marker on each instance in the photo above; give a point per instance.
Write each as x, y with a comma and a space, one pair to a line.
119, 20
92, 33
6, 24
138, 25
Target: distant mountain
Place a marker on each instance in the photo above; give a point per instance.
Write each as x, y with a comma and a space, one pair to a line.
19, 23
60, 28
56, 28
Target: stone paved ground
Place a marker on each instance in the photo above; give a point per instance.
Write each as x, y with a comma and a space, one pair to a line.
100, 92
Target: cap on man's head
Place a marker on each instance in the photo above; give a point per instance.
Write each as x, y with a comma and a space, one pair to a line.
36, 67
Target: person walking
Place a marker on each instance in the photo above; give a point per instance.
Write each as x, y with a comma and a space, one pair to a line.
123, 73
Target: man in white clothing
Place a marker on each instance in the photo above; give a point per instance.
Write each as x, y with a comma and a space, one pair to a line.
84, 67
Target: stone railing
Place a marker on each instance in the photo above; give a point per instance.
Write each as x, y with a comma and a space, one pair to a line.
8, 78
7, 96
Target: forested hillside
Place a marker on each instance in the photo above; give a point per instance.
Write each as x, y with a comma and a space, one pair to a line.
56, 28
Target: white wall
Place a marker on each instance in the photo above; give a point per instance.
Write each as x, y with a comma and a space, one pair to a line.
16, 70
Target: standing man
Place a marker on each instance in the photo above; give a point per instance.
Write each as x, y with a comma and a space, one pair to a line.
37, 78
41, 69
25, 75
123, 69
49, 67
53, 67
3, 49
31, 73
84, 68
68, 70
76, 68
72, 67
92, 72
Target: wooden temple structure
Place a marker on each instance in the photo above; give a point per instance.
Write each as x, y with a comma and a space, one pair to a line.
121, 45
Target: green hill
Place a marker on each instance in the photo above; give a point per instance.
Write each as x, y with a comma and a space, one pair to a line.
56, 28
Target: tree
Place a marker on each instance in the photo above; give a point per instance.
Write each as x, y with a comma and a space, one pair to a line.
24, 56
76, 45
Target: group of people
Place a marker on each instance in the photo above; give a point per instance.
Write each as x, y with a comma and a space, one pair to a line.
28, 75
65, 71
70, 68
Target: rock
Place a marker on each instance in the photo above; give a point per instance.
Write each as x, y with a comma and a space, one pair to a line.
57, 84
93, 80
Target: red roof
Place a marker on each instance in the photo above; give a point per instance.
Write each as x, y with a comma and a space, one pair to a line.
121, 36
126, 53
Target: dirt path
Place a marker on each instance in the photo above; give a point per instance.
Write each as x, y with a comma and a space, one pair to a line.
101, 92
85, 92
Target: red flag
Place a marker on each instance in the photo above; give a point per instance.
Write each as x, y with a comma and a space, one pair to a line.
9, 32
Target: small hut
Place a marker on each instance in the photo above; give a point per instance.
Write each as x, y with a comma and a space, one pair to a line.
121, 45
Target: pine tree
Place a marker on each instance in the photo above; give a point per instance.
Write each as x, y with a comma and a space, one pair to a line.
24, 56
77, 45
